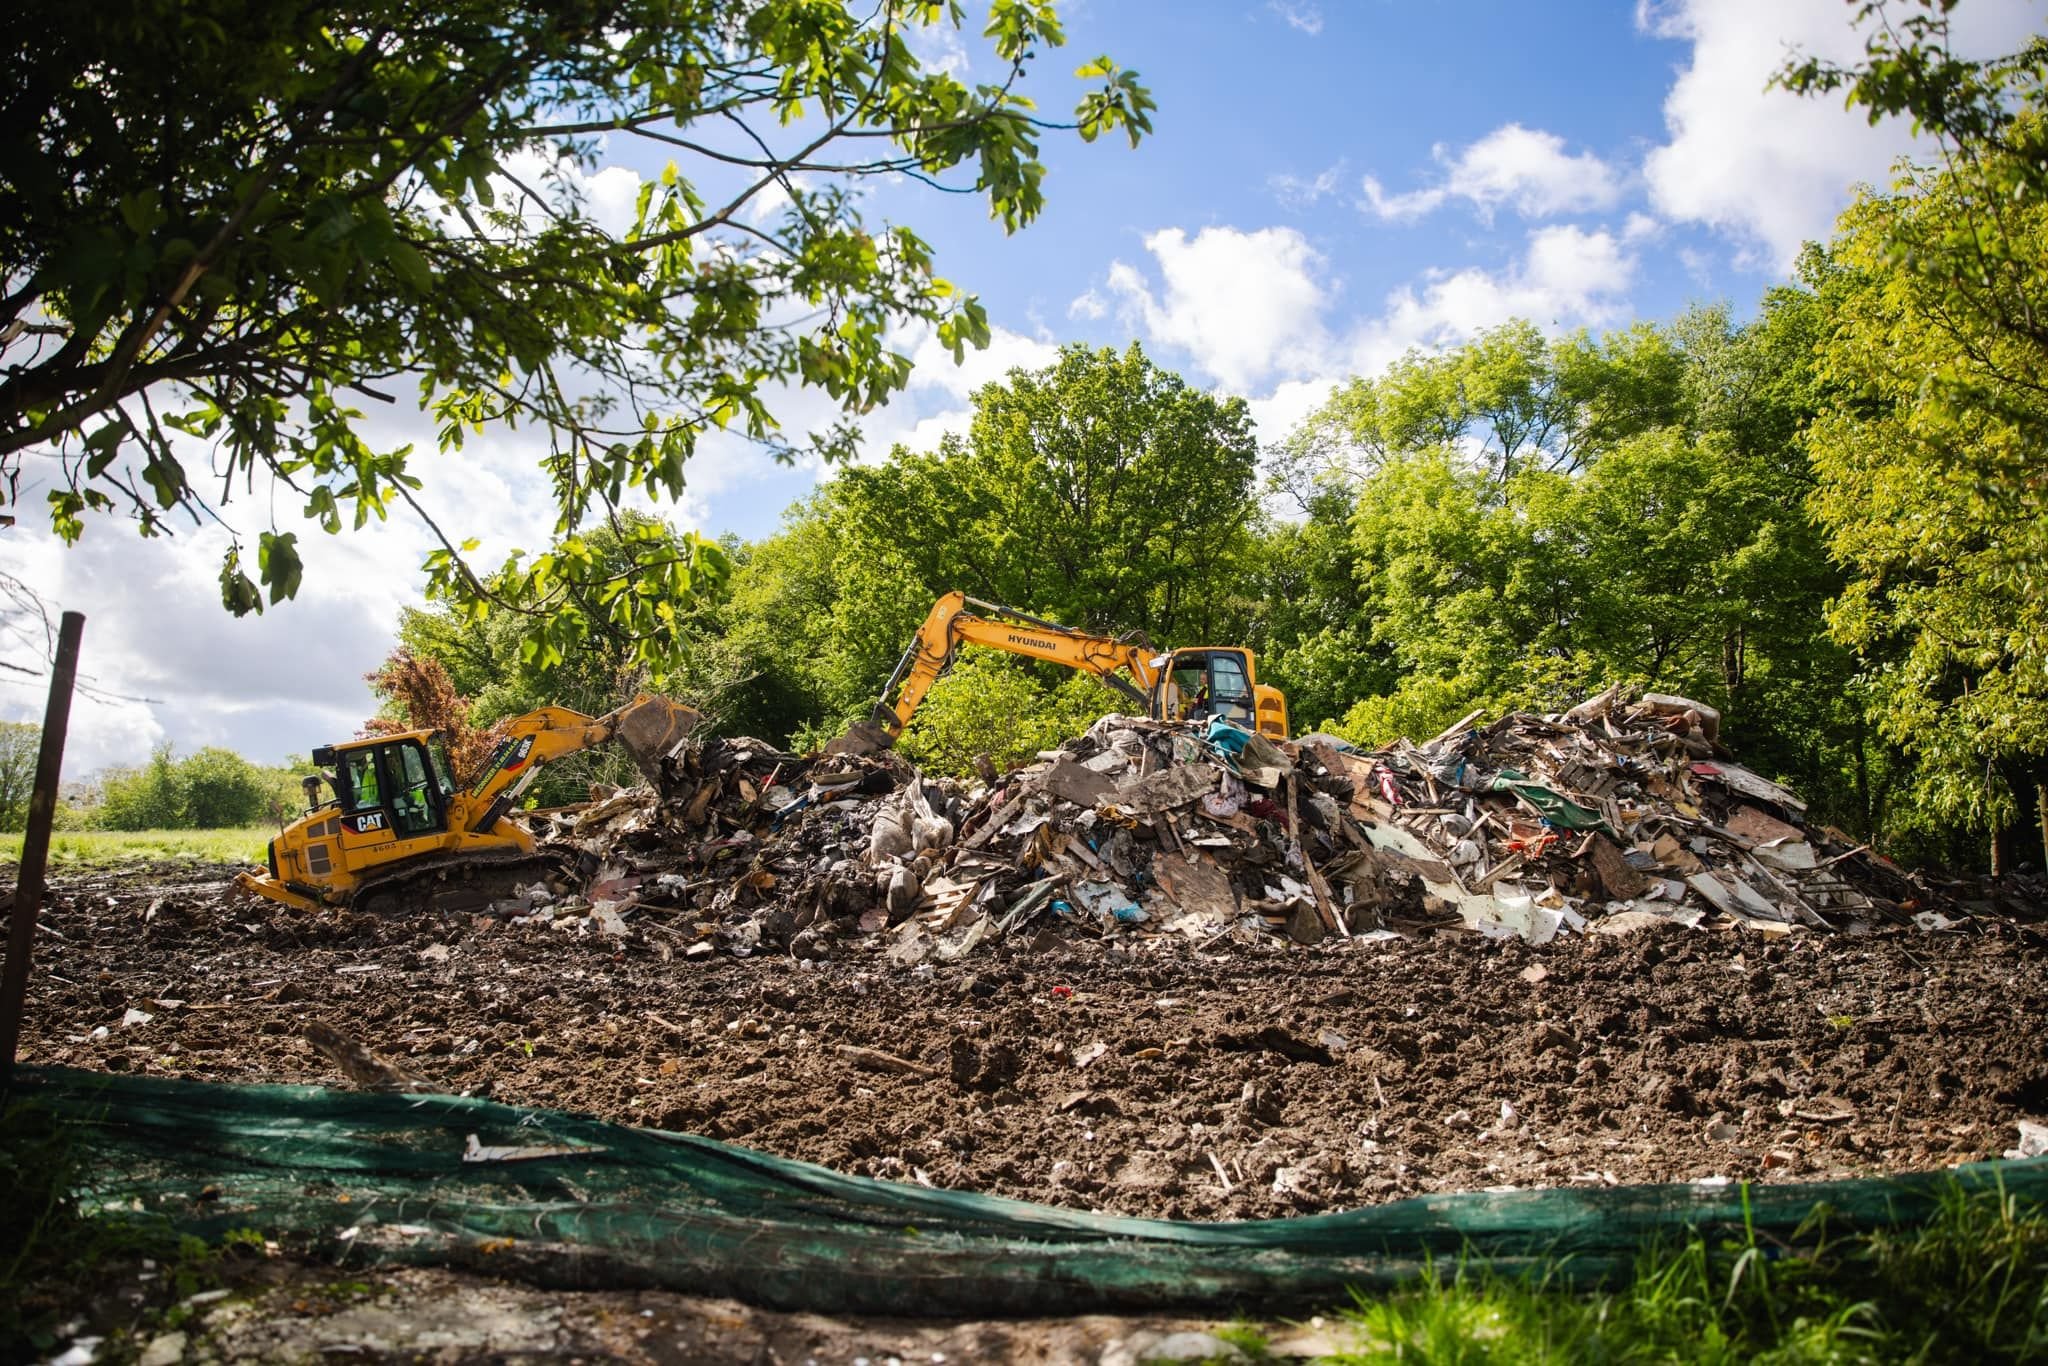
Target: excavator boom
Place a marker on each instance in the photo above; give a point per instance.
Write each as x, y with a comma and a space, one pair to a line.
1208, 681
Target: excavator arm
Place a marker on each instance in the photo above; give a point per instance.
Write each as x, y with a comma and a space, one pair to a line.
1125, 665
531, 742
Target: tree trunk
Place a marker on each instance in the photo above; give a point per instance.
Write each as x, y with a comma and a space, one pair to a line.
2001, 851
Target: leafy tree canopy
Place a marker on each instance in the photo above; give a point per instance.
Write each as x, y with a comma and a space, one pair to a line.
233, 226
1100, 491
1929, 452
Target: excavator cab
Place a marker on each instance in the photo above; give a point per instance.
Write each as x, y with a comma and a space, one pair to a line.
1210, 681
1200, 684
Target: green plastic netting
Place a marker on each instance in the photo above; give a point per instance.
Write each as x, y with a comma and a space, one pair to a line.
574, 1202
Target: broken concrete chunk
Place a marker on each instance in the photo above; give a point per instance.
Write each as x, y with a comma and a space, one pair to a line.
1072, 781
1168, 788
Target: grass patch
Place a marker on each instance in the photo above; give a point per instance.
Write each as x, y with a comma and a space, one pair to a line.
1971, 1285
75, 849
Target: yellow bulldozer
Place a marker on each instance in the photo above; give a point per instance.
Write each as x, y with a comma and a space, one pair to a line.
1191, 683
396, 819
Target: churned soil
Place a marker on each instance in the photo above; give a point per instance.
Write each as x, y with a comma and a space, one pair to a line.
1130, 1076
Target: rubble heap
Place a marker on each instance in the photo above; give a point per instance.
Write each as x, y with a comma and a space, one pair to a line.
1618, 814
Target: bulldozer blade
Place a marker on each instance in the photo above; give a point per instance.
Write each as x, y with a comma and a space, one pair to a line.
650, 728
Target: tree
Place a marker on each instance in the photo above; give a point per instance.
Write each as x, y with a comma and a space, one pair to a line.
417, 688
1101, 490
1923, 495
222, 790
1510, 397
229, 224
151, 797
20, 741
1930, 459
996, 705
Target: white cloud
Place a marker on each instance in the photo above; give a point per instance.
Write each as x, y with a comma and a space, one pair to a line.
1089, 305
1398, 208
1006, 351
1250, 308
1641, 227
1299, 14
614, 196
1526, 168
1567, 277
1767, 167
1297, 193
1243, 304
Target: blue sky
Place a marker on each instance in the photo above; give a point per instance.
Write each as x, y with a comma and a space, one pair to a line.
1331, 182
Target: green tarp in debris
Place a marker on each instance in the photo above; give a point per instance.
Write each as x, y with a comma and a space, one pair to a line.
1560, 810
574, 1202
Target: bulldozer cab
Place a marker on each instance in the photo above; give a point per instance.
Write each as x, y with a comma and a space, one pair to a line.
1203, 683
400, 786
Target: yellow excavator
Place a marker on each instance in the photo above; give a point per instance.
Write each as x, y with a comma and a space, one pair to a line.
1191, 683
396, 817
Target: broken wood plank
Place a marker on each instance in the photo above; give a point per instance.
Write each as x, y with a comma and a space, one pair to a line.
875, 1060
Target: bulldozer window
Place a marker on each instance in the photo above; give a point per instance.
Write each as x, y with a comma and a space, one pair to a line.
443, 776
415, 803
359, 780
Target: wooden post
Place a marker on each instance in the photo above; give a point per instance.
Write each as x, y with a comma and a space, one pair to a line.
35, 844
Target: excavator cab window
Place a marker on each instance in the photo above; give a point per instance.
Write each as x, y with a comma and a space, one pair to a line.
1213, 683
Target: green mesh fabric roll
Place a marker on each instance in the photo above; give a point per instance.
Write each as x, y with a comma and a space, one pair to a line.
573, 1202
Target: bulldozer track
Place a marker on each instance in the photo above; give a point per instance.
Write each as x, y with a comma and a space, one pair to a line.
423, 882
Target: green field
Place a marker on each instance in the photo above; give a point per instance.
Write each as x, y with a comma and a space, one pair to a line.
112, 848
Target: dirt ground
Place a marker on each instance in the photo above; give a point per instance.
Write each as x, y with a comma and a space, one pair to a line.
283, 1310
1139, 1079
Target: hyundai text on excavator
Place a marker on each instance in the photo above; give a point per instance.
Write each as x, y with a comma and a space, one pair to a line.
1185, 684
397, 817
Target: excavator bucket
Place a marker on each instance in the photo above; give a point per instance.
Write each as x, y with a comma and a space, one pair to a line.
649, 728
862, 737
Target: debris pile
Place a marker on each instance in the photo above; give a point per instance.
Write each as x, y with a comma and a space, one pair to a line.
1613, 816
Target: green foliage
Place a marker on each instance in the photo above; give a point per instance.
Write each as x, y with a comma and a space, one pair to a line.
19, 743
1421, 706
1929, 454
1100, 491
151, 797
1971, 1285
222, 790
1003, 707
281, 212
214, 789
